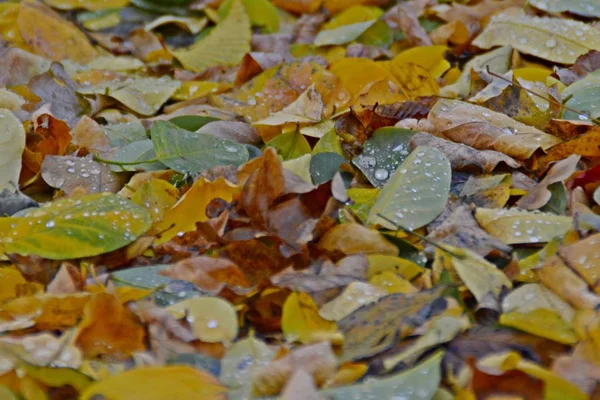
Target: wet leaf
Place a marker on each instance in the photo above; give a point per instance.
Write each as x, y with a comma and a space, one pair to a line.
224, 45
552, 39
585, 8
212, 319
324, 166
355, 239
383, 153
75, 227
290, 145
353, 297
68, 173
242, 360
416, 193
185, 151
517, 226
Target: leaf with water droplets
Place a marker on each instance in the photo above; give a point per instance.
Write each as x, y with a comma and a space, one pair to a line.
75, 227
519, 226
212, 319
382, 154
135, 154
69, 172
582, 96
552, 39
324, 166
585, 8
241, 362
186, 151
416, 193
290, 145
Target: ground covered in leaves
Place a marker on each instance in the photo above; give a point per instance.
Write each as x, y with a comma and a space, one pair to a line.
299, 199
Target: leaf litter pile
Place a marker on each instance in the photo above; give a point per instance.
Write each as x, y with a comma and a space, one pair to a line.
299, 199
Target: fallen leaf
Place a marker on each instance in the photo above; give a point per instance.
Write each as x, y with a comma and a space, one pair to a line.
13, 143
220, 47
154, 383
301, 321
424, 177
353, 297
538, 36
212, 319
356, 239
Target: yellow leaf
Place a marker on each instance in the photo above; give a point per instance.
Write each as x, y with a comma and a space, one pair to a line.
479, 275
518, 226
301, 321
9, 29
157, 196
192, 25
533, 74
55, 38
553, 39
213, 319
359, 74
158, 383
91, 5
429, 57
413, 79
356, 239
335, 6
555, 387
583, 257
300, 166
352, 298
226, 44
191, 207
392, 283
196, 89
10, 279
348, 373
381, 263
299, 6
541, 322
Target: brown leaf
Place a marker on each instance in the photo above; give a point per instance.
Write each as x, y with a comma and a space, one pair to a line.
463, 157
301, 386
210, 274
263, 186
90, 137
254, 63
540, 195
109, 329
317, 360
19, 66
404, 16
586, 145
231, 130
56, 88
584, 65
68, 279
462, 230
69, 172
278, 43
365, 51
293, 223
307, 27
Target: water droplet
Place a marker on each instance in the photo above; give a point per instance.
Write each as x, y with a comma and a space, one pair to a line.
71, 170
367, 162
231, 149
381, 174
551, 43
50, 224
212, 323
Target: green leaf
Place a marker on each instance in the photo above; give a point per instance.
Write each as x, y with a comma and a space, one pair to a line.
585, 8
177, 7
416, 193
137, 152
75, 227
418, 383
125, 133
143, 95
12, 140
323, 166
558, 201
318, 130
379, 35
226, 44
186, 151
242, 360
329, 143
583, 96
261, 13
191, 122
382, 154
553, 39
290, 145
343, 34
362, 201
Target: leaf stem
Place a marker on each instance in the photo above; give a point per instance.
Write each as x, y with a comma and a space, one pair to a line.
421, 237
548, 99
123, 163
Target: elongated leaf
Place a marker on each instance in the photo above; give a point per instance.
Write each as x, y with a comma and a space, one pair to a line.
383, 153
343, 34
75, 227
186, 151
552, 39
12, 143
416, 193
518, 226
137, 152
582, 96
585, 8
224, 45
